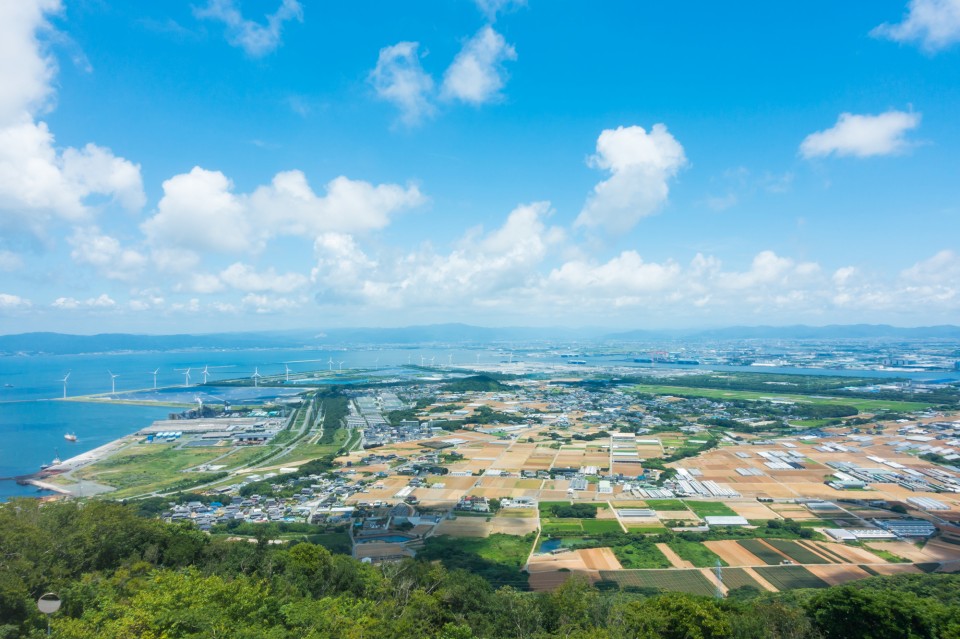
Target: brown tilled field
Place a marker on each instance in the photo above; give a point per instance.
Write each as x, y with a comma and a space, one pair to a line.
835, 574
599, 559
733, 553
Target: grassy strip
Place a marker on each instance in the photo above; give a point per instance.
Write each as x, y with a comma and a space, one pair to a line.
863, 405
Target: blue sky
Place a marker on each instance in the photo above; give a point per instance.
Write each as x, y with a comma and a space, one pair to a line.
235, 165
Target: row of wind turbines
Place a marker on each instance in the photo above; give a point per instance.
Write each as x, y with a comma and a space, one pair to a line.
186, 378
331, 364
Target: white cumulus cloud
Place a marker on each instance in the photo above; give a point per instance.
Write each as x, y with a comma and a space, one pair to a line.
254, 38
399, 79
933, 24
862, 135
104, 253
476, 74
641, 165
39, 183
245, 278
199, 212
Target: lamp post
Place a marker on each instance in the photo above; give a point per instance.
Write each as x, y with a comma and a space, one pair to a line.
48, 604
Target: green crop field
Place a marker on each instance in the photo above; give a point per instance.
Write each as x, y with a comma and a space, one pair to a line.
597, 526
737, 578
711, 509
666, 504
797, 552
695, 552
691, 581
762, 551
789, 577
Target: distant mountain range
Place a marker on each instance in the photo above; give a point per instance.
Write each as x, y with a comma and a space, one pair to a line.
60, 343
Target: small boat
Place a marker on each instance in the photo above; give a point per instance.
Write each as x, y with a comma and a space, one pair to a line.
70, 437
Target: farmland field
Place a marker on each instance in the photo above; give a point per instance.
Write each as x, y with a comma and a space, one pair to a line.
695, 552
666, 504
787, 577
737, 578
710, 509
691, 581
762, 551
600, 525
797, 552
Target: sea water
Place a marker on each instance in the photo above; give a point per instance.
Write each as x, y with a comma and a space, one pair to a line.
34, 418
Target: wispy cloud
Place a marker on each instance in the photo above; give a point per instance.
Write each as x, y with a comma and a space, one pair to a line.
400, 79
256, 39
933, 24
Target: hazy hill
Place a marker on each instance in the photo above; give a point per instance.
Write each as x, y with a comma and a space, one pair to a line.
60, 343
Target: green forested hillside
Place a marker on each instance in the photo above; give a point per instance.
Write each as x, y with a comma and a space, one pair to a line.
120, 575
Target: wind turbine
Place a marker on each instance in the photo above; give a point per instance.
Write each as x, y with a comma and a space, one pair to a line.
286, 372
376, 362
478, 358
206, 372
186, 377
340, 368
155, 378
65, 378
256, 375
450, 360
113, 383
431, 360
331, 362
422, 360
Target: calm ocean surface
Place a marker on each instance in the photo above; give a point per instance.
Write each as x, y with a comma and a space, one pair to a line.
33, 422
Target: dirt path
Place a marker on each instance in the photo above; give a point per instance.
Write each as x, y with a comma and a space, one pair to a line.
674, 558
760, 580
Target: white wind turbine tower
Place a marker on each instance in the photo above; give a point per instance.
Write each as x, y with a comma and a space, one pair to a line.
422, 360
206, 373
286, 373
450, 360
64, 380
256, 375
330, 363
340, 367
155, 378
113, 383
431, 360
186, 377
